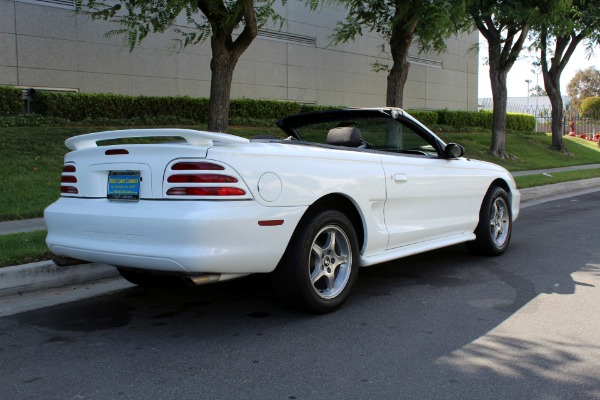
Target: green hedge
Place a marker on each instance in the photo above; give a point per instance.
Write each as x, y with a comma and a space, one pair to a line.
103, 107
520, 122
84, 106
483, 119
425, 117
262, 109
11, 101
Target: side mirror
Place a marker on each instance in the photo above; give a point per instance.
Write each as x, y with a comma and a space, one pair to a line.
454, 150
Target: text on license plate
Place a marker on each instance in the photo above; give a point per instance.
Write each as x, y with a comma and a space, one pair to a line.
123, 185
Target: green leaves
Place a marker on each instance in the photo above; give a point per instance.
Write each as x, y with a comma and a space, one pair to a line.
11, 102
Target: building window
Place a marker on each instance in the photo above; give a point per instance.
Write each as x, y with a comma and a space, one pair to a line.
68, 4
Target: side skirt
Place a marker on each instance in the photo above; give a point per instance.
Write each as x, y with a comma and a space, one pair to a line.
413, 249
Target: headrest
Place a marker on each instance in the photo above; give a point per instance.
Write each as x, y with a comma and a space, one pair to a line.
344, 136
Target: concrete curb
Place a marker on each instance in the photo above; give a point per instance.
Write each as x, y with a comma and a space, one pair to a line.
557, 189
45, 275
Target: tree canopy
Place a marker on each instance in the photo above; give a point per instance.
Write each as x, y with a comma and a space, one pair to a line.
585, 83
399, 22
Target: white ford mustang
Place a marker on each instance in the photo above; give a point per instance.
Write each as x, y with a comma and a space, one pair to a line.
341, 189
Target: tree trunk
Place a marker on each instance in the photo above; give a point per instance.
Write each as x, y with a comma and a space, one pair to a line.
499, 95
225, 54
552, 85
400, 41
222, 66
395, 86
564, 49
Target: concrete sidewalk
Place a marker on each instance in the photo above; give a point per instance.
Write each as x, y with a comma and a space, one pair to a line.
22, 225
37, 279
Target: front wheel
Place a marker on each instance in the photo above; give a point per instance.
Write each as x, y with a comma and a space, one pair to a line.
320, 264
495, 224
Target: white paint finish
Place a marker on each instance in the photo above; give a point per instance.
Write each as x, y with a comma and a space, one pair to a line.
198, 138
407, 203
269, 187
190, 238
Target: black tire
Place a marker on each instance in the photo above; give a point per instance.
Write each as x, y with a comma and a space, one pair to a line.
146, 279
495, 224
320, 265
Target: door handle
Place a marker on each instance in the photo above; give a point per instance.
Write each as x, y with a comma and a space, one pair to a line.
400, 178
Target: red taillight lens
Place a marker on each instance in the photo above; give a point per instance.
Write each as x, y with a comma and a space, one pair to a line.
69, 189
113, 152
196, 166
205, 191
68, 178
201, 178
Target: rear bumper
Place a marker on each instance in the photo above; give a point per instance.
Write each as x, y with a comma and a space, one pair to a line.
188, 237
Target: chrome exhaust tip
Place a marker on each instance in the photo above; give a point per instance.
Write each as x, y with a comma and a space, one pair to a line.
204, 279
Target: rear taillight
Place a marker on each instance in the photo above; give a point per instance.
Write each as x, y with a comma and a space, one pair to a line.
203, 179
197, 166
205, 191
68, 179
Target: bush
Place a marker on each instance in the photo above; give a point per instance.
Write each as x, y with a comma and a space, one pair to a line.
32, 120
313, 107
262, 109
590, 107
11, 101
84, 106
105, 109
426, 117
483, 119
462, 119
520, 122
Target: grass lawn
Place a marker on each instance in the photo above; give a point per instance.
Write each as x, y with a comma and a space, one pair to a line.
531, 151
528, 181
21, 248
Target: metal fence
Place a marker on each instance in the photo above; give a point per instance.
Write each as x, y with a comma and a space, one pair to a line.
572, 124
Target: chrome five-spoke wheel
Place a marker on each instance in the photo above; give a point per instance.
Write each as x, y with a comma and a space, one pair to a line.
318, 270
330, 262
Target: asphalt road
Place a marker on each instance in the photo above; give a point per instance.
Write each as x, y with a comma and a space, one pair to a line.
443, 325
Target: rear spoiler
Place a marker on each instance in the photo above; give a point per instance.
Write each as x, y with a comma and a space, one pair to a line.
193, 137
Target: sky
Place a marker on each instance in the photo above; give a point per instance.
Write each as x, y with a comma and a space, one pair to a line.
521, 70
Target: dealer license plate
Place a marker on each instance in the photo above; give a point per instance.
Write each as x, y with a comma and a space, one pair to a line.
123, 185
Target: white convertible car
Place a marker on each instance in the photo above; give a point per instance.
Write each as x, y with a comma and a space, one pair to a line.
340, 189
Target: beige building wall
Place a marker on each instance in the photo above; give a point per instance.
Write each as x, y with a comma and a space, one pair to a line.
47, 45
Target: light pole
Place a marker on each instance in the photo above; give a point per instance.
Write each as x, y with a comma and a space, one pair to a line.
528, 82
537, 93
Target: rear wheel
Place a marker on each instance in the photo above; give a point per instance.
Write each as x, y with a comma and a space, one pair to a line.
495, 224
146, 279
320, 265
